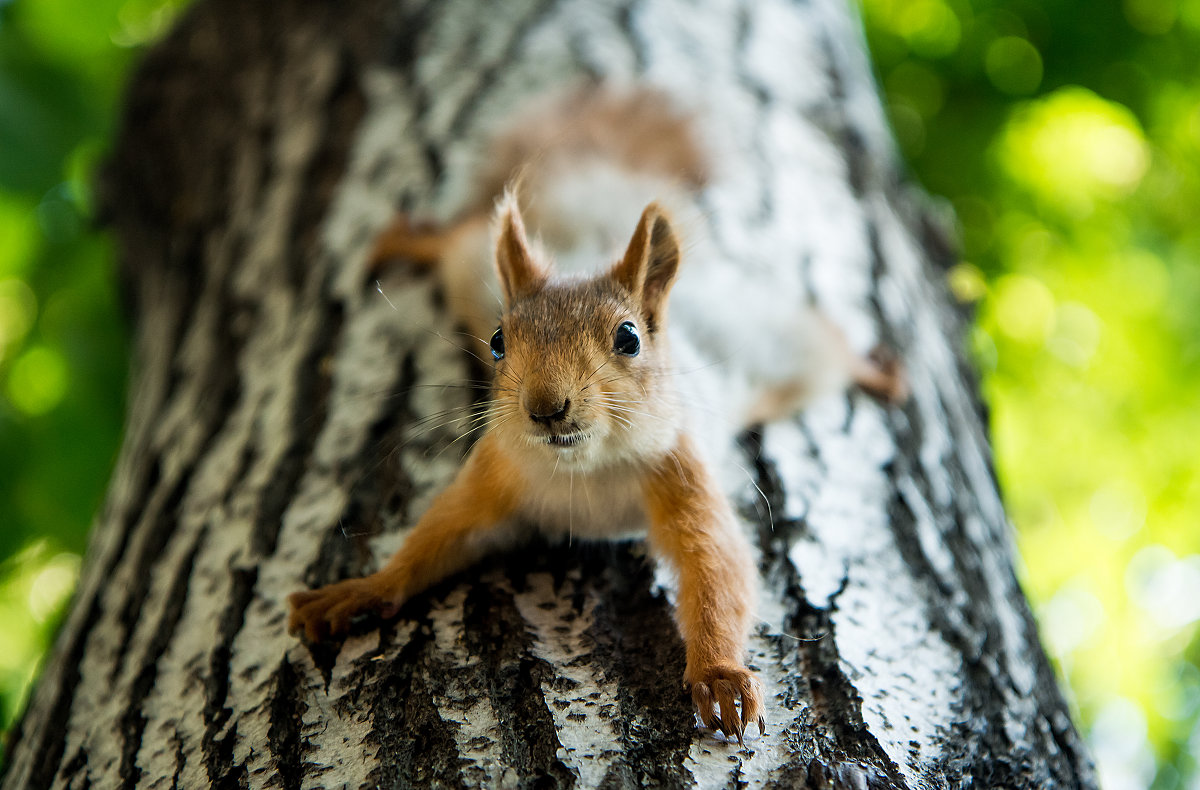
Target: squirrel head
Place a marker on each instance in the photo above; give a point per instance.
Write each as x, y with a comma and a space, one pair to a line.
581, 363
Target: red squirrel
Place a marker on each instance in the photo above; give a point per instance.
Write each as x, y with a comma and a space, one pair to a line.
588, 433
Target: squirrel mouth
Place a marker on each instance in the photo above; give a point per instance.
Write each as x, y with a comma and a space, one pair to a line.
564, 440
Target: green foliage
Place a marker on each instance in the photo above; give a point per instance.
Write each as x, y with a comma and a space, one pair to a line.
1066, 136
63, 345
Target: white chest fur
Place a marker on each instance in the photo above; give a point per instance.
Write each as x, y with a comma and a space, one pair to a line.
602, 503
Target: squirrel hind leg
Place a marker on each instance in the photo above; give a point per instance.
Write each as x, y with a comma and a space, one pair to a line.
882, 376
778, 402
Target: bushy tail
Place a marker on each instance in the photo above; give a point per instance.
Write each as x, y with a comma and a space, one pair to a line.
638, 130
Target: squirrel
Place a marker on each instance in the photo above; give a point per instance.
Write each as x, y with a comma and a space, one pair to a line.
591, 429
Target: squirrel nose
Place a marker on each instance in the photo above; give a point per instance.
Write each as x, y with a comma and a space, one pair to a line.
549, 413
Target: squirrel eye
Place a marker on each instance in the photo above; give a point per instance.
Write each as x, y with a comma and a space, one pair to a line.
627, 342
497, 345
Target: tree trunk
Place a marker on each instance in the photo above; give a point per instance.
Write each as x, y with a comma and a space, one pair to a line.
278, 437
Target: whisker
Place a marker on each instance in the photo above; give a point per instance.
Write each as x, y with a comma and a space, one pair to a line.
477, 429
767, 502
379, 287
459, 347
639, 413
593, 374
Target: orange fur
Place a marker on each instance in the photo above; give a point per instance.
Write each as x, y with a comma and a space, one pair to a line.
692, 526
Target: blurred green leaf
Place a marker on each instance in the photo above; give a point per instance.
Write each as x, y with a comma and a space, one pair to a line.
63, 345
42, 116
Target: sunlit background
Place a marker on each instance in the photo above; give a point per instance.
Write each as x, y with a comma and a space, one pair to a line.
1066, 137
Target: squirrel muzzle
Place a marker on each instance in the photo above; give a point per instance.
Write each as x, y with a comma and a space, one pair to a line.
547, 406
548, 412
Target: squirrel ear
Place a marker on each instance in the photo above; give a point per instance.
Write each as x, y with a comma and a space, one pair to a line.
520, 275
648, 269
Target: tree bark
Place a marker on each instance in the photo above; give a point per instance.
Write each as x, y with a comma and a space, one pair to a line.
278, 437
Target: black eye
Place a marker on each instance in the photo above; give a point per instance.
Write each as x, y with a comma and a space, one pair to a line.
627, 342
497, 345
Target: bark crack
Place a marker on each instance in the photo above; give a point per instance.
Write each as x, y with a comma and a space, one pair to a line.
217, 394
283, 734
494, 630
132, 721
417, 747
217, 751
635, 636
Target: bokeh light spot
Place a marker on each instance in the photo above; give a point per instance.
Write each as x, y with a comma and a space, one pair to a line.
1119, 742
52, 585
37, 381
1152, 17
1014, 66
983, 348
1073, 148
19, 236
930, 27
966, 282
1166, 588
137, 27
58, 217
1117, 510
1024, 307
1147, 282
1071, 618
919, 86
1076, 334
18, 308
908, 127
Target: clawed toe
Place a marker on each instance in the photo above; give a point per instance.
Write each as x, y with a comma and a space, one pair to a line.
703, 699
717, 697
328, 611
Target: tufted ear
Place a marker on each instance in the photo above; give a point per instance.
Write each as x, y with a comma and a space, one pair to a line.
520, 275
648, 268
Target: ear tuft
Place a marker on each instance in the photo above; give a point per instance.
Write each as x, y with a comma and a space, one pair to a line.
520, 275
650, 264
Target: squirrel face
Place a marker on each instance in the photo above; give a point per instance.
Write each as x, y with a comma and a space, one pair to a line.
580, 365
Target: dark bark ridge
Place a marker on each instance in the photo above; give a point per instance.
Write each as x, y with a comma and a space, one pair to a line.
283, 431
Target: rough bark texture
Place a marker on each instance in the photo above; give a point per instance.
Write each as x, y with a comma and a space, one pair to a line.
276, 437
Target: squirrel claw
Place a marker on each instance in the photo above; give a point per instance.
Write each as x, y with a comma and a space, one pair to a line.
715, 693
703, 699
327, 612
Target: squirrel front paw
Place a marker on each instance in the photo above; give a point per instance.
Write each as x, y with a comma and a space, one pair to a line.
717, 688
327, 611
